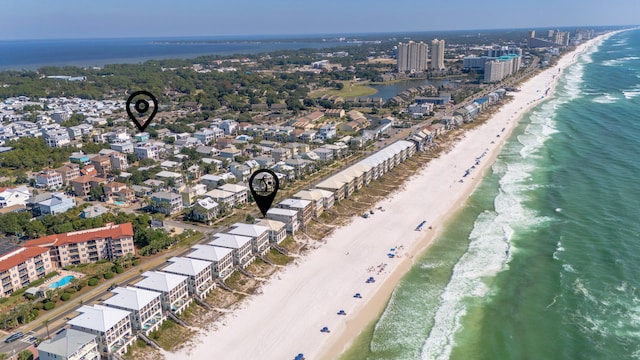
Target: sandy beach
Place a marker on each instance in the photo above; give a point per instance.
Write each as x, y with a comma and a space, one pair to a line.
297, 302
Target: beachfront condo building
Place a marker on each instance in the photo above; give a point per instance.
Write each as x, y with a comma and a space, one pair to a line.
412, 56
144, 307
286, 216
221, 259
111, 327
303, 207
259, 236
198, 272
174, 289
240, 246
109, 242
21, 266
70, 344
277, 230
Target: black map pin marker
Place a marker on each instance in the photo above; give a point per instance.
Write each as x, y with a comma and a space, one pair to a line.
264, 185
144, 112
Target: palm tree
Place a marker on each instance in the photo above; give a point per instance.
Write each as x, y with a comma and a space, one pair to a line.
46, 325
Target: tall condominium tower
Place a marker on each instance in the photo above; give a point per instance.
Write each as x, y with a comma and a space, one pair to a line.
412, 56
437, 55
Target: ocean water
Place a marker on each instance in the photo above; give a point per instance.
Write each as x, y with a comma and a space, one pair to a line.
542, 263
32, 54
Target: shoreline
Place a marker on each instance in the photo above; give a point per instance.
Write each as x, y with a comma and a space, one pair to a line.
324, 281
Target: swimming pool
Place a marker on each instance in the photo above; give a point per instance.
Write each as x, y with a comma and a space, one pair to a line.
119, 203
62, 282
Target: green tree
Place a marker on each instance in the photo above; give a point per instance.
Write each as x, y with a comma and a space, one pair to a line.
25, 355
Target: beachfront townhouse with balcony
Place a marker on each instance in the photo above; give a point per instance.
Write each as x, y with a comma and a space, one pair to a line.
286, 216
144, 307
198, 271
21, 266
303, 207
240, 245
174, 289
70, 344
111, 326
327, 198
221, 259
277, 230
316, 199
259, 236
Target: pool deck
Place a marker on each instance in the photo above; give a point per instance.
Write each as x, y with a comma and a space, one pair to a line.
61, 273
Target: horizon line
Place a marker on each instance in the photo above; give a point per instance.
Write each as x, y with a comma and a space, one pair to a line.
315, 35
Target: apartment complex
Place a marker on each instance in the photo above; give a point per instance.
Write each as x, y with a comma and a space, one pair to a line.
21, 266
412, 56
108, 242
437, 55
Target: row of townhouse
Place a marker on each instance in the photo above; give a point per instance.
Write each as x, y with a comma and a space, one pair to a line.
296, 213
108, 330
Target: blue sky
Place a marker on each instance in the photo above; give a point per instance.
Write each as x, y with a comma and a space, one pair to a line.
38, 19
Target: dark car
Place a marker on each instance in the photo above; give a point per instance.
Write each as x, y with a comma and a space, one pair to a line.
14, 337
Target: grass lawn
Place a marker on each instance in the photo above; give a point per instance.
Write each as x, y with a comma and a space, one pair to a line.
349, 91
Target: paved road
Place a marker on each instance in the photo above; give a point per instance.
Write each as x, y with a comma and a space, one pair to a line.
16, 346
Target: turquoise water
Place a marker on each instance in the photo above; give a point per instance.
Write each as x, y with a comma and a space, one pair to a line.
541, 264
62, 282
119, 203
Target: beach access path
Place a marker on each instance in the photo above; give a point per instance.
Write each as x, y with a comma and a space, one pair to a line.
305, 297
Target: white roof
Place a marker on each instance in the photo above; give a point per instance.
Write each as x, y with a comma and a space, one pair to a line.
332, 183
187, 266
131, 298
98, 317
160, 281
207, 203
230, 241
219, 194
295, 203
247, 230
168, 174
324, 193
284, 212
66, 342
312, 195
209, 253
272, 224
234, 188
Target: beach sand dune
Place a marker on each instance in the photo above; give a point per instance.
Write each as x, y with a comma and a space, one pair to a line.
287, 317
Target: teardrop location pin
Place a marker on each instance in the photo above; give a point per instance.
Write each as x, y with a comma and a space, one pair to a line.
264, 185
144, 111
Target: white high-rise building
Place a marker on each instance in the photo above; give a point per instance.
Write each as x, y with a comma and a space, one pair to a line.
412, 56
437, 55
